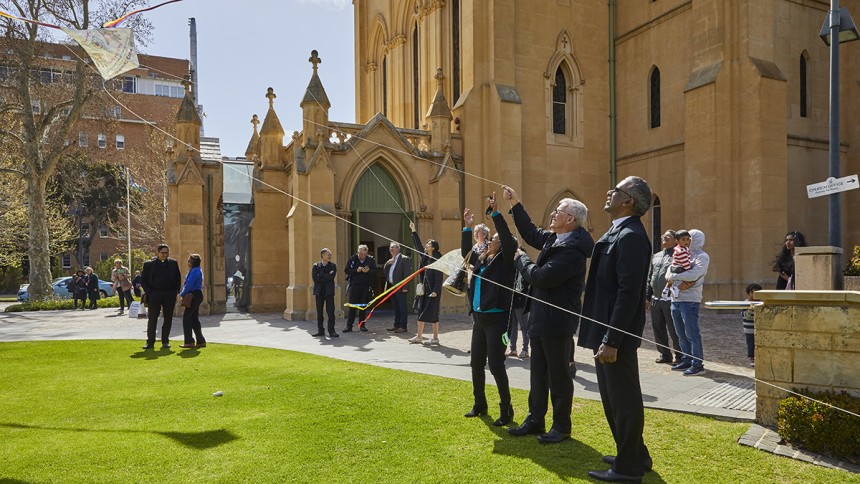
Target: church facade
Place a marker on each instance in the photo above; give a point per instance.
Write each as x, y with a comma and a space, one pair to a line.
721, 105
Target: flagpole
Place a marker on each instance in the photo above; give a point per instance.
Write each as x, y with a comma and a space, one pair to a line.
128, 215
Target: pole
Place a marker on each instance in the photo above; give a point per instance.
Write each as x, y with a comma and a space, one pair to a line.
834, 214
128, 214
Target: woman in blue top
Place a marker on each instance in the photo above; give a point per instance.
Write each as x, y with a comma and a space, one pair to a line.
490, 304
191, 315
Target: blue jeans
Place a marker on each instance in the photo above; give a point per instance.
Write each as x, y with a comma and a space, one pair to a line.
685, 316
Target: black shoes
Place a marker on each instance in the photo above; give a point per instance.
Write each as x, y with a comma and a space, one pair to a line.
165, 346
476, 410
362, 328
529, 426
333, 335
148, 346
319, 333
612, 476
552, 437
663, 359
348, 329
506, 414
647, 462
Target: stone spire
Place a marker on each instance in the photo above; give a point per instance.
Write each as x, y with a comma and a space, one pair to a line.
271, 125
315, 106
253, 148
188, 120
271, 135
439, 118
315, 93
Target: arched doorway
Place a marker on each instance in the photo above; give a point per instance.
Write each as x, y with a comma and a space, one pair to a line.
377, 208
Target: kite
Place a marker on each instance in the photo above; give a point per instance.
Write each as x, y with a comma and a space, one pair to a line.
111, 49
384, 296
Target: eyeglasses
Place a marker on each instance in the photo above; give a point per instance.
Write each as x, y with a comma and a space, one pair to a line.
616, 189
163, 251
557, 211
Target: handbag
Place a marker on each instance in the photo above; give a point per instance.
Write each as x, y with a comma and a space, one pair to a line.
186, 300
419, 289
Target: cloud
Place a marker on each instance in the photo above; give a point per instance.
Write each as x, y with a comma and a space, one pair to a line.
327, 4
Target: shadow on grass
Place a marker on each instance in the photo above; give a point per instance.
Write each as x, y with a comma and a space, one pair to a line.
196, 440
152, 354
9, 480
189, 353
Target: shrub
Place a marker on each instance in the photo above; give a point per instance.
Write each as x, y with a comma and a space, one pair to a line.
853, 267
819, 428
56, 304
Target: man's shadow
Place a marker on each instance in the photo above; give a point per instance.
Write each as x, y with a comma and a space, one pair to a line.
152, 354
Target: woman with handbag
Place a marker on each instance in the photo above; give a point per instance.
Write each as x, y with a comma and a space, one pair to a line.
429, 290
192, 296
489, 301
121, 278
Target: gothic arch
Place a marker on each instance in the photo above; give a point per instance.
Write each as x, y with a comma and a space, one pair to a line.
405, 14
379, 37
803, 84
399, 172
553, 202
564, 60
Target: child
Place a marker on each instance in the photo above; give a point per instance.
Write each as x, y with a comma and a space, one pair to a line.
680, 262
749, 322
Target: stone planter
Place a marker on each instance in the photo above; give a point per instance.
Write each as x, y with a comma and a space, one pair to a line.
852, 283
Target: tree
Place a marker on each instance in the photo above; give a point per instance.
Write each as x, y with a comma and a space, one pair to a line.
39, 106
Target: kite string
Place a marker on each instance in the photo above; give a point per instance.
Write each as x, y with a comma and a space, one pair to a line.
513, 290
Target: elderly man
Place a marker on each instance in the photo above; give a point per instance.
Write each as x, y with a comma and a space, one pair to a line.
659, 305
397, 268
360, 270
615, 297
555, 280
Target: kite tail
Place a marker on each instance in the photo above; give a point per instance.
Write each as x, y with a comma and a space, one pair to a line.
396, 288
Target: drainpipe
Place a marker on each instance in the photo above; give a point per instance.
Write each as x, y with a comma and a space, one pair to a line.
613, 168
208, 254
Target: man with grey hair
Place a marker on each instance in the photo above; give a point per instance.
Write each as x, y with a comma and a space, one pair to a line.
360, 270
556, 279
397, 268
613, 322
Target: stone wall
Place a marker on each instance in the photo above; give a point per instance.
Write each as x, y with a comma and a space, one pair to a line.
805, 339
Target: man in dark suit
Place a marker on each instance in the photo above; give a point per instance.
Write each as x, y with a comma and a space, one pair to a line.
323, 273
92, 283
397, 268
615, 296
161, 282
556, 277
360, 270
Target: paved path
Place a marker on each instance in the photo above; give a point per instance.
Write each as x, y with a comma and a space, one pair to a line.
724, 391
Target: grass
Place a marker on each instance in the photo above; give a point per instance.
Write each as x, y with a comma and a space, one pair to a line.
83, 411
56, 304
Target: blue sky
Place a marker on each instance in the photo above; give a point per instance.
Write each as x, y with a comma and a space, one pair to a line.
247, 46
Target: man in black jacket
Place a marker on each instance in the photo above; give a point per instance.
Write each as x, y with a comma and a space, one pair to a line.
555, 280
161, 282
323, 274
92, 283
615, 296
360, 270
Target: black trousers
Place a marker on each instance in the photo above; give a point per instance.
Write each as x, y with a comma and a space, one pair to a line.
622, 404
488, 347
357, 295
664, 328
191, 320
329, 308
94, 296
398, 300
160, 301
550, 378
125, 299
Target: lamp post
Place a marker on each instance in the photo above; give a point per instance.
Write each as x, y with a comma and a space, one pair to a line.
838, 27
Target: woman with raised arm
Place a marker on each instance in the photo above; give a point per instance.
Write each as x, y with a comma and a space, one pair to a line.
431, 283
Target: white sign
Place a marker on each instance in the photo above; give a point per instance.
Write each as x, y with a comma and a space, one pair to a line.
832, 185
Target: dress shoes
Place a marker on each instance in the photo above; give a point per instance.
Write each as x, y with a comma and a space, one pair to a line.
663, 359
529, 426
333, 335
506, 414
148, 347
362, 328
318, 334
400, 330
165, 346
552, 437
392, 329
187, 346
612, 476
647, 462
200, 345
476, 410
346, 330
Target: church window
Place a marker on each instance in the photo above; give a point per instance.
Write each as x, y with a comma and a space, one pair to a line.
416, 116
455, 32
656, 230
803, 85
559, 103
654, 98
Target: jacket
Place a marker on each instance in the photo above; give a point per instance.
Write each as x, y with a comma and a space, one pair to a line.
92, 281
660, 263
175, 276
699, 261
500, 270
615, 289
323, 276
356, 278
431, 278
556, 277
401, 271
193, 281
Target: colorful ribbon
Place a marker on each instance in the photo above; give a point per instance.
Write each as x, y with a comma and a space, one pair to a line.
381, 298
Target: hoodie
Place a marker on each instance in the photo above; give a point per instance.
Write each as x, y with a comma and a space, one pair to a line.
699, 261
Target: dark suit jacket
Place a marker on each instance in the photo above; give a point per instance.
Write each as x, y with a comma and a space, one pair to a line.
356, 278
323, 276
615, 290
500, 269
556, 277
432, 278
92, 281
401, 271
175, 276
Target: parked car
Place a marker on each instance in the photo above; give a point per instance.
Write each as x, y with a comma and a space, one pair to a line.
61, 290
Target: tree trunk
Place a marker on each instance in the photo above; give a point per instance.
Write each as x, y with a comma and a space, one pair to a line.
39, 252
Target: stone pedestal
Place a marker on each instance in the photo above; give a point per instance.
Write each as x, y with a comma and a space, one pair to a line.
818, 268
805, 339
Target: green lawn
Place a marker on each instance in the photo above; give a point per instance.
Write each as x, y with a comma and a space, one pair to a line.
84, 411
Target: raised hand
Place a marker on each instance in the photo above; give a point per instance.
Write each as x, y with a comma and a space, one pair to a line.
468, 217
412, 226
510, 195
491, 201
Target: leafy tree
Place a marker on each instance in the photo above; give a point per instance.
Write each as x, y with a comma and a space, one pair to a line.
39, 106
